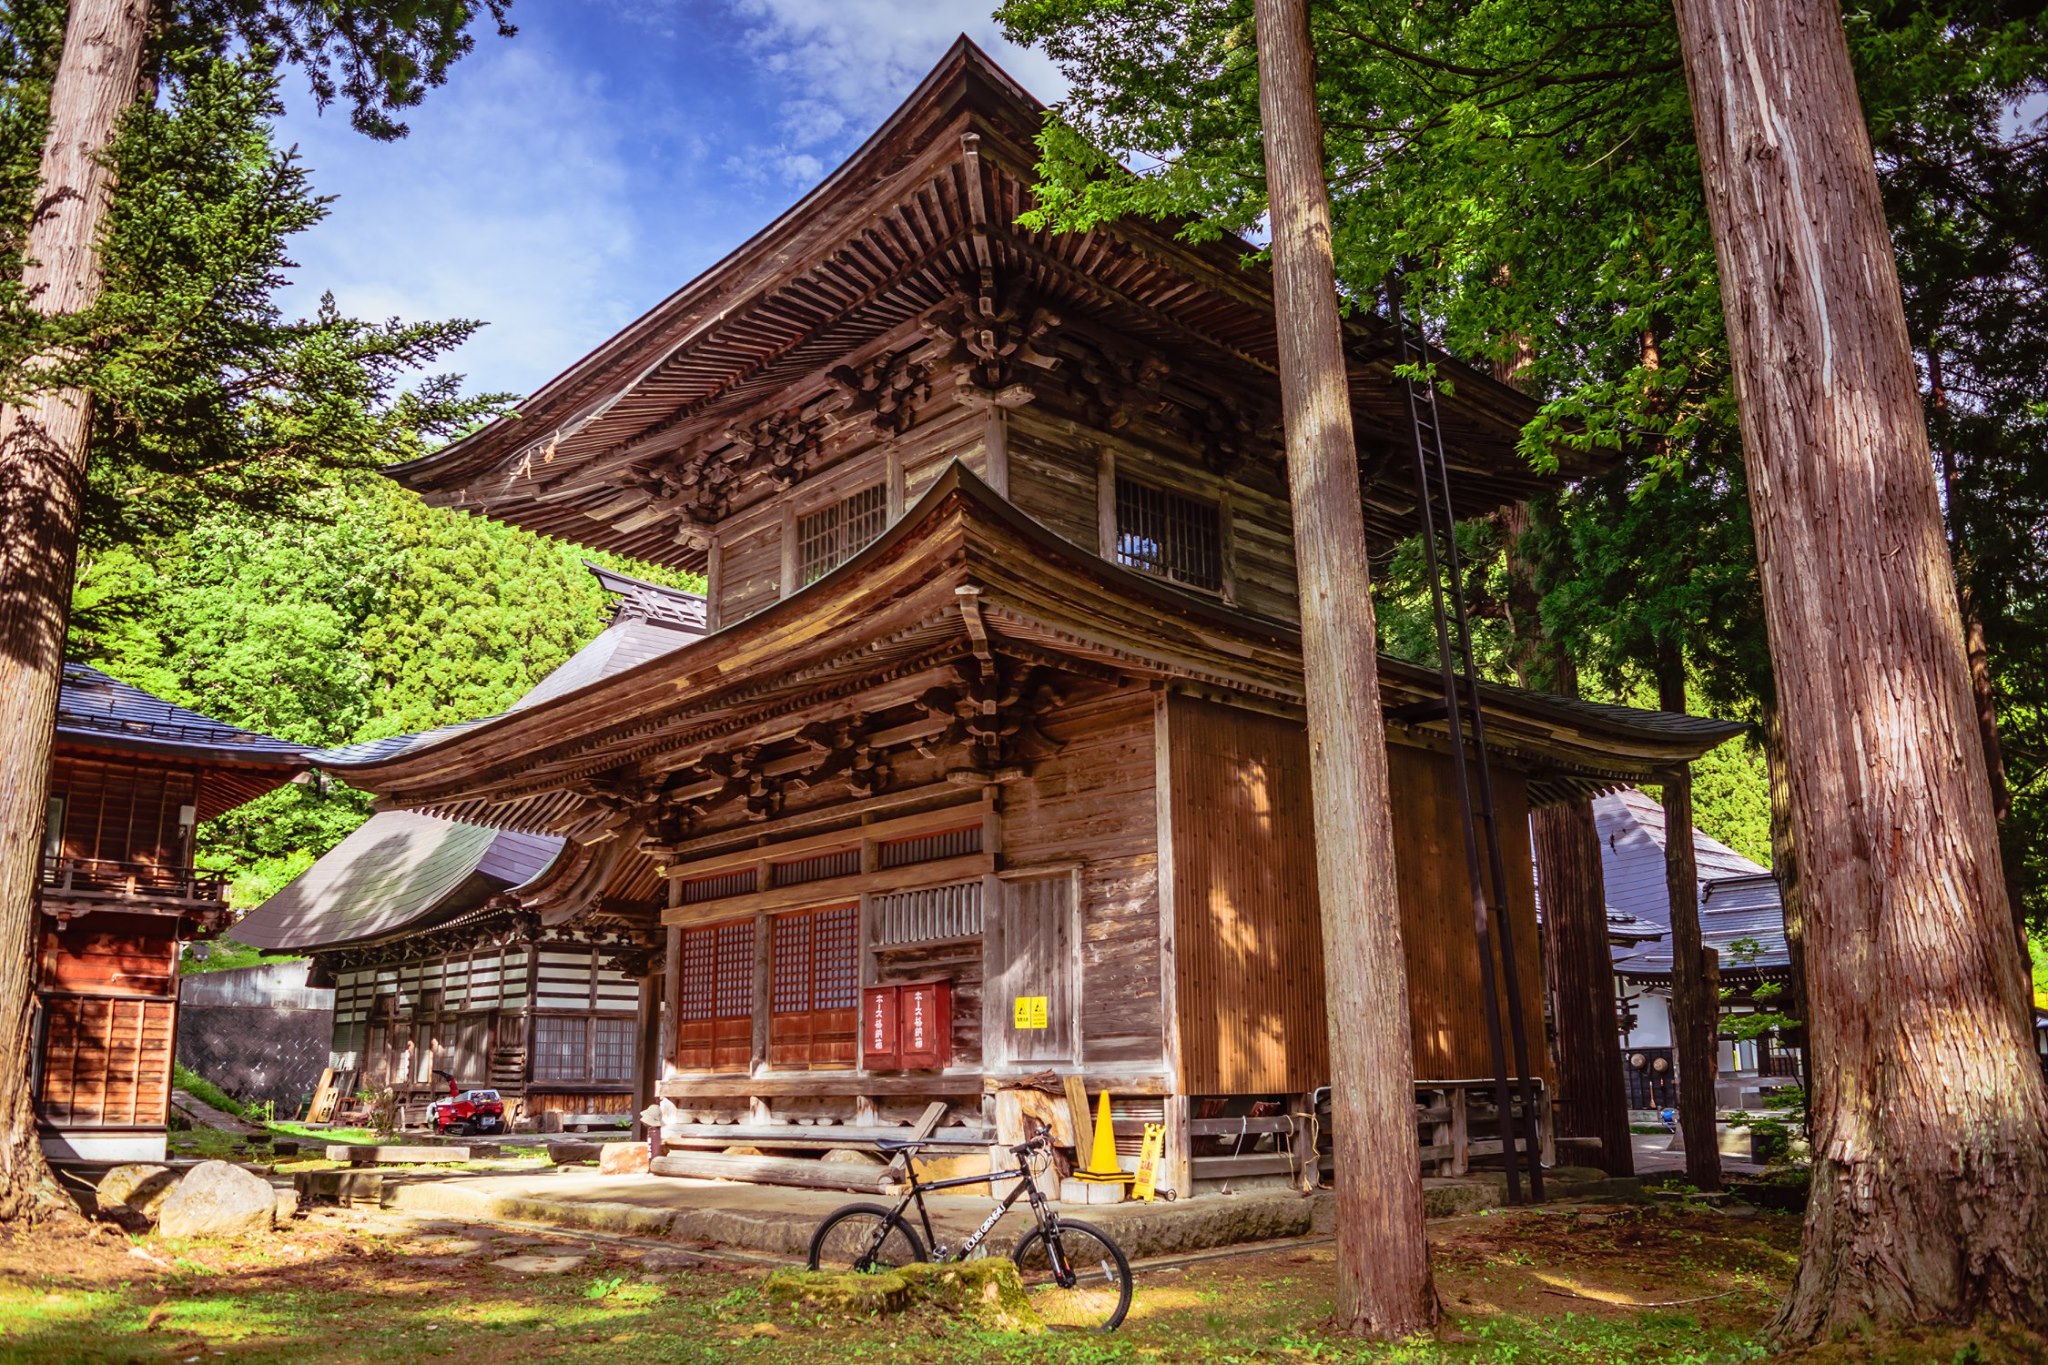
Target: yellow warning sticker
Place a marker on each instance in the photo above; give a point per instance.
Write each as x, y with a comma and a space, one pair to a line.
1032, 1012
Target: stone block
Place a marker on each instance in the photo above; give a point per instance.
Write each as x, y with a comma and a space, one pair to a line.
339, 1187
1088, 1192
622, 1158
569, 1153
550, 1121
218, 1199
139, 1189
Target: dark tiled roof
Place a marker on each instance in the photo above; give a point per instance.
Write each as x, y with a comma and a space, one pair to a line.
1738, 898
400, 870
94, 708
647, 621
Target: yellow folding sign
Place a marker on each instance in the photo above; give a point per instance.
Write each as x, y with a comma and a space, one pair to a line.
1150, 1152
1031, 1012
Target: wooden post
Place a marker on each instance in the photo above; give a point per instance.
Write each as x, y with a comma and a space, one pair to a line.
647, 1061
1177, 1160
1930, 1138
1461, 1133
1308, 1161
1383, 1279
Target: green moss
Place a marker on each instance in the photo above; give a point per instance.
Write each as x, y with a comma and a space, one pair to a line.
985, 1293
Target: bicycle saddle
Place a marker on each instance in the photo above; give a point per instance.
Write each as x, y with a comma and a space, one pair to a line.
899, 1144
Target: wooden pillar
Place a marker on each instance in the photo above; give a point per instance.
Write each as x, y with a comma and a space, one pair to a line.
1177, 1164
647, 1060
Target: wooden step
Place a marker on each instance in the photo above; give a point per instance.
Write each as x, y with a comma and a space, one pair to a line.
776, 1170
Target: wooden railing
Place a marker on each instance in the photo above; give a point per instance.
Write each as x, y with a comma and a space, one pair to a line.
130, 881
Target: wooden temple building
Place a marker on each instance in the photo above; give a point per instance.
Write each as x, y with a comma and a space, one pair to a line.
992, 761
436, 938
131, 778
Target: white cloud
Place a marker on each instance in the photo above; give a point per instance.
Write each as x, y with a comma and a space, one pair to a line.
508, 203
848, 63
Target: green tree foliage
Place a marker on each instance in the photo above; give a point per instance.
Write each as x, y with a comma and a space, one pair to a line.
370, 615
1532, 169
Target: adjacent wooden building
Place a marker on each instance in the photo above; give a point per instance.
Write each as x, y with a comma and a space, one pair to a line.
131, 779
993, 761
433, 937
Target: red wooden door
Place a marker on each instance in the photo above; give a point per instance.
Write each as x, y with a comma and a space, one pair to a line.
814, 988
715, 1016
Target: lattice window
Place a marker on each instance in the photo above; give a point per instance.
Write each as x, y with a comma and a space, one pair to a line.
928, 914
715, 1008
835, 533
1170, 535
561, 1048
927, 848
814, 987
611, 1049
843, 862
719, 885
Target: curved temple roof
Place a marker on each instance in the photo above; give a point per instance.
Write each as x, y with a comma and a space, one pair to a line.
929, 201
99, 712
399, 871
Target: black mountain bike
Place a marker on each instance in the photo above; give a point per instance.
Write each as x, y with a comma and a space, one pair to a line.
1075, 1277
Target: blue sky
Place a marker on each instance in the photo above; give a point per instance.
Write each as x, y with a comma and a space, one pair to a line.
566, 180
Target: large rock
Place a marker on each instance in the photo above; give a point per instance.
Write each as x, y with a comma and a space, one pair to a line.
569, 1152
622, 1158
218, 1199
139, 1189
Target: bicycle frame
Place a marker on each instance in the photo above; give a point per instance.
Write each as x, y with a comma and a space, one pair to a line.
1048, 1219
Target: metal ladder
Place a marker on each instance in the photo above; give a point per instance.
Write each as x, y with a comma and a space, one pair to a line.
1467, 727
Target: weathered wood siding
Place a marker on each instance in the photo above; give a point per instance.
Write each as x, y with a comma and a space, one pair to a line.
106, 1063
1248, 946
122, 812
1092, 804
1444, 1000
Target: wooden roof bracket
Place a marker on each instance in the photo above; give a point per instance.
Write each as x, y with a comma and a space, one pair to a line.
977, 210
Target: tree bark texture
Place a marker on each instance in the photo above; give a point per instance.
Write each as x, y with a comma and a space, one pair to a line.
1593, 1099
1695, 1004
1931, 1135
1578, 967
1383, 1279
1785, 871
42, 472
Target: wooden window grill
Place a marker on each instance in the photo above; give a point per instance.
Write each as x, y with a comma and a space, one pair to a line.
560, 1048
814, 988
835, 533
719, 885
1169, 535
843, 862
611, 1049
928, 914
715, 1005
926, 848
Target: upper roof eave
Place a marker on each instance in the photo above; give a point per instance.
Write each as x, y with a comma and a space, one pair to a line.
965, 85
961, 535
936, 100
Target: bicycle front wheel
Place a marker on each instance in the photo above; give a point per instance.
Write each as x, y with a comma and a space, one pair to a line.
1085, 1287
866, 1238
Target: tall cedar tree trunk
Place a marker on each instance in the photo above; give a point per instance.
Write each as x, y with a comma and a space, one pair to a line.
1695, 1003
1383, 1280
1785, 871
1978, 651
1931, 1135
1578, 967
42, 473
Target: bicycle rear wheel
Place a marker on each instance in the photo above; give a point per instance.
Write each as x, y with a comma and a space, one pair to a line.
1092, 1295
865, 1238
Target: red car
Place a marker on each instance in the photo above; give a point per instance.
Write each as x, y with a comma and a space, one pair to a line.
467, 1111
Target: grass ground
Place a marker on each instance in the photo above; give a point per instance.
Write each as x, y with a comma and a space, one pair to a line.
1607, 1285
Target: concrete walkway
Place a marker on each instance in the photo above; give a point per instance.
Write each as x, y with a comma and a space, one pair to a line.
773, 1221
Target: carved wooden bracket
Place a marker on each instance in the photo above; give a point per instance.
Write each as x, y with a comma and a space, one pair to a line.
990, 341
995, 720
1115, 386
888, 390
